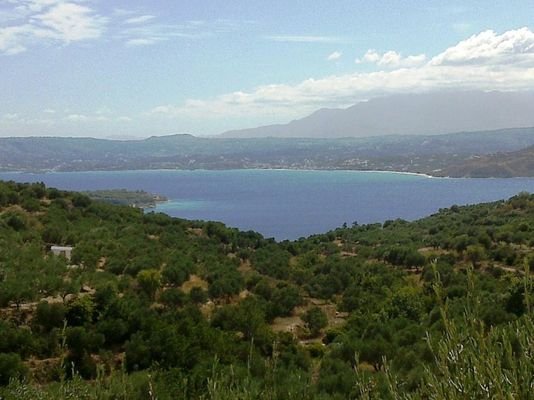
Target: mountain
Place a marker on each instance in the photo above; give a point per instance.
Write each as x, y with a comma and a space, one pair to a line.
430, 154
500, 165
410, 114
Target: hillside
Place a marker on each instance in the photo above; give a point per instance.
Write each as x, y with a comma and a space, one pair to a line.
138, 198
428, 154
409, 114
499, 165
151, 306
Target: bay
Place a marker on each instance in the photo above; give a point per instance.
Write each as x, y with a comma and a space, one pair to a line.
288, 204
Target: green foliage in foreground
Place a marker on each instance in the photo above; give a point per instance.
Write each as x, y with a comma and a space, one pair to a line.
469, 362
156, 307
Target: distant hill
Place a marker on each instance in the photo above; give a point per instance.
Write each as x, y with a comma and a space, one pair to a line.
410, 114
431, 154
138, 198
500, 165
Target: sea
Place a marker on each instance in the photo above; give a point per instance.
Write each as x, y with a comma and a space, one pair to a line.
289, 204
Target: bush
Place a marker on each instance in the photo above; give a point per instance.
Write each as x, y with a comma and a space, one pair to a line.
11, 367
315, 319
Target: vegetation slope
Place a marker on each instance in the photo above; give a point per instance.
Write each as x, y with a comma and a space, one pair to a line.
499, 165
151, 306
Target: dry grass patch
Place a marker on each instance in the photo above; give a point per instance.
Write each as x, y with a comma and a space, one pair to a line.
245, 267
196, 231
292, 324
194, 281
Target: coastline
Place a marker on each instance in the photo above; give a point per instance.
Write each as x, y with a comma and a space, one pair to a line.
340, 170
37, 172
402, 173
421, 174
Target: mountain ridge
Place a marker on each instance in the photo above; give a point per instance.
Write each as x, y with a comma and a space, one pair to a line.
431, 154
429, 113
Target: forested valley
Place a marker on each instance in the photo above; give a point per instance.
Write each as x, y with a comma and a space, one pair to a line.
153, 307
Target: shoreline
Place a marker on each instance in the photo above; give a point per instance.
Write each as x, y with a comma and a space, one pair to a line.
421, 174
226, 170
340, 170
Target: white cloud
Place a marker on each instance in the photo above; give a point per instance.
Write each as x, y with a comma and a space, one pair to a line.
150, 33
486, 61
140, 19
67, 117
142, 42
489, 48
102, 115
76, 118
13, 39
391, 59
336, 55
49, 22
10, 117
371, 56
304, 39
69, 22
27, 7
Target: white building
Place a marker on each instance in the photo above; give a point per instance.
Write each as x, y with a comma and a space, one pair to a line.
65, 251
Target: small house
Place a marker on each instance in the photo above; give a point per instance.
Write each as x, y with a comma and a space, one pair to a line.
65, 251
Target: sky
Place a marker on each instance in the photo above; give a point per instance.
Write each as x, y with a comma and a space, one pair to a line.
134, 69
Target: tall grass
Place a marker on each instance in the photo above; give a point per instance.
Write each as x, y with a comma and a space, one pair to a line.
471, 360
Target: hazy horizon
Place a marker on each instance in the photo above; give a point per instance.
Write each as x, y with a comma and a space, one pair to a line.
311, 116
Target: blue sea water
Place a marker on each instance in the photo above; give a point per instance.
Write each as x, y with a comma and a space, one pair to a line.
288, 204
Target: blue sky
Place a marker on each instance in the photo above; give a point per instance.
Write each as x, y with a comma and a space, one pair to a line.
135, 69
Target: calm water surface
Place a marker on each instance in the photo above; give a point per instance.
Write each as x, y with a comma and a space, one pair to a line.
290, 204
